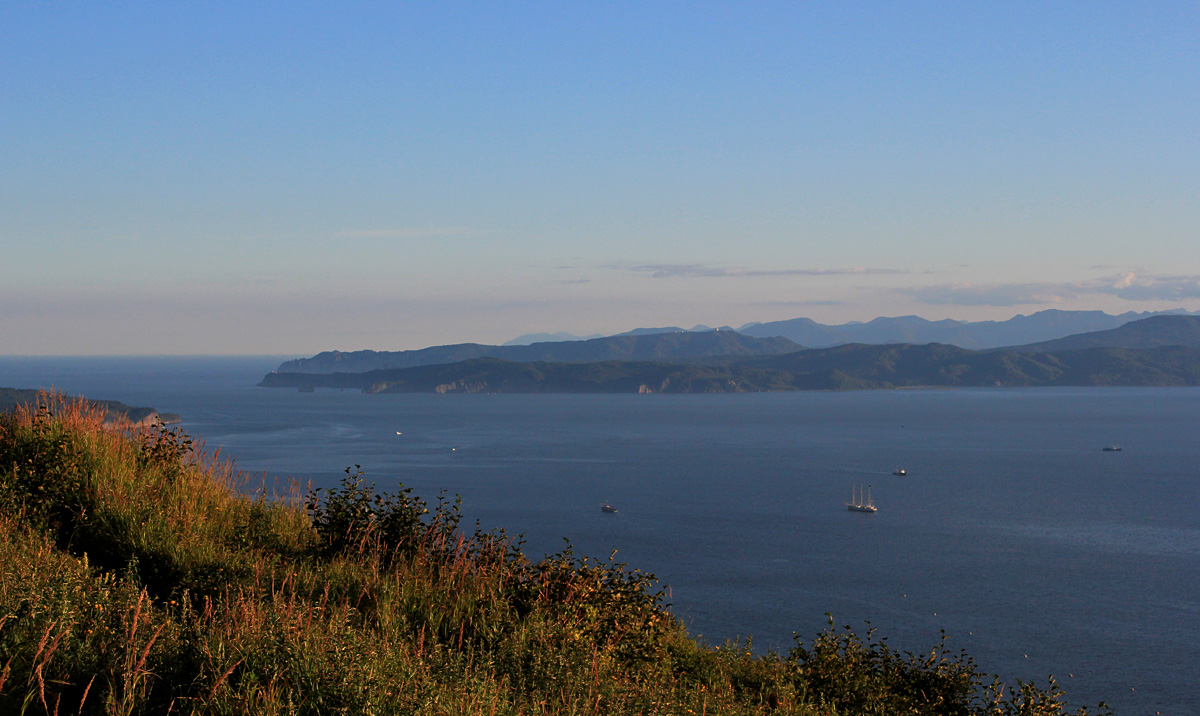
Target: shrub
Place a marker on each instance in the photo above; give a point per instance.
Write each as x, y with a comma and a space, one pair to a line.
868, 677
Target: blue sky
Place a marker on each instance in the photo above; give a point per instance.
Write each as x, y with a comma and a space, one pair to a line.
187, 178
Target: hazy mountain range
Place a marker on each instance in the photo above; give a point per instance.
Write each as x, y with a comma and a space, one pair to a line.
1157, 351
849, 367
1019, 330
530, 338
780, 337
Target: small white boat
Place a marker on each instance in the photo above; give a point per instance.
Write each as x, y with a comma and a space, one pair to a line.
860, 503
1112, 448
607, 508
900, 471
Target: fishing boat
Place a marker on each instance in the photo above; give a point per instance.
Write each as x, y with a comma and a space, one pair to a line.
860, 503
607, 508
1112, 448
900, 471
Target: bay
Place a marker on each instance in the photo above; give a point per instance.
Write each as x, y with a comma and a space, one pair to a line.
1034, 550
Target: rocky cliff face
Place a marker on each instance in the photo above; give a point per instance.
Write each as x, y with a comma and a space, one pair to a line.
140, 419
464, 386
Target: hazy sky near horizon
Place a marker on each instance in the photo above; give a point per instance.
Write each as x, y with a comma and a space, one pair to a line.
240, 178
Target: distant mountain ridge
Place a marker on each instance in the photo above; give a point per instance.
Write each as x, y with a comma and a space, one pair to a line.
1157, 351
1018, 330
531, 338
656, 346
676, 344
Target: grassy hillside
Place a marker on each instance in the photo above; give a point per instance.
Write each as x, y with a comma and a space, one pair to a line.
138, 576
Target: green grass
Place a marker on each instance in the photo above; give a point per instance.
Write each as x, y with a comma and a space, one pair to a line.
139, 575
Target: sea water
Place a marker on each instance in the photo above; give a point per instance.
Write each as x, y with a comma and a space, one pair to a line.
1013, 531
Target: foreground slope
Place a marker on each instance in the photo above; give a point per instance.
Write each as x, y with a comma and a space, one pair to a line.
135, 579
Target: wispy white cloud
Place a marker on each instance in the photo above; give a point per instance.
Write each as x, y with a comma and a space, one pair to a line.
1128, 286
1133, 287
705, 271
1012, 294
405, 233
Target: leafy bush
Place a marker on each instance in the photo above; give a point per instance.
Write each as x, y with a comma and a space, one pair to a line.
48, 466
869, 677
355, 516
164, 447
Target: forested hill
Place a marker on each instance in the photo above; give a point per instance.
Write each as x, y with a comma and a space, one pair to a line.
684, 345
941, 365
1147, 333
843, 367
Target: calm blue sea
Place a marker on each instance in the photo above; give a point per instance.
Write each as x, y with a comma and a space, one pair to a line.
1037, 552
